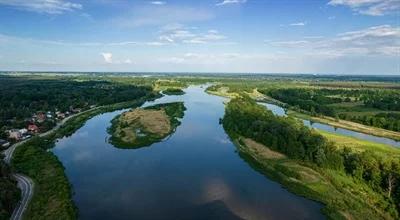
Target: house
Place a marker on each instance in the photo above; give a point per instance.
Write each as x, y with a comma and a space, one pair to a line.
41, 117
14, 134
4, 143
60, 115
33, 128
76, 110
23, 131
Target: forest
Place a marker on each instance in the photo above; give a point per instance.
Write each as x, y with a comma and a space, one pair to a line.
373, 107
24, 96
244, 117
9, 193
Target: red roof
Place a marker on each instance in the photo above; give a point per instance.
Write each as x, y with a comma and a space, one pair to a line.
33, 128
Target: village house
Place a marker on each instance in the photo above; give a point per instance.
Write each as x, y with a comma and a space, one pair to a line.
23, 131
60, 115
33, 128
40, 117
14, 134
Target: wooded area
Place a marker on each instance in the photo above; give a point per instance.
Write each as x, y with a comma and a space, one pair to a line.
246, 118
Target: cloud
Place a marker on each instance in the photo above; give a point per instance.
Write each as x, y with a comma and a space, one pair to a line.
376, 40
370, 7
128, 61
158, 3
202, 58
227, 2
43, 6
4, 39
298, 24
181, 34
155, 16
107, 57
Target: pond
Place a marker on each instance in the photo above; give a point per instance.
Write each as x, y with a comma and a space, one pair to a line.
277, 110
195, 173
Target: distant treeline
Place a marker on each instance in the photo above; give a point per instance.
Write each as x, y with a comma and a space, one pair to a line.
321, 101
245, 117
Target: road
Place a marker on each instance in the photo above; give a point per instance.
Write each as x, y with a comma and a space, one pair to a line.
26, 185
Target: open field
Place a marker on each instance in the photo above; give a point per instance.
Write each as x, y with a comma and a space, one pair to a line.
348, 125
344, 197
150, 121
359, 145
142, 127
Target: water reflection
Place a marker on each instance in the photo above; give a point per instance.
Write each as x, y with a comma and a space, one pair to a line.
195, 174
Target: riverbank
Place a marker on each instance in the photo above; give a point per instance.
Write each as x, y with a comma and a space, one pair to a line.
224, 92
344, 198
52, 198
348, 125
342, 141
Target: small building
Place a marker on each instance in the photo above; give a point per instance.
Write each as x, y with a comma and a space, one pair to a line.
23, 131
41, 117
33, 128
60, 115
4, 143
14, 134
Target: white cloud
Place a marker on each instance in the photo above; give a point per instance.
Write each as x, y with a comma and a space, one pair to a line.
154, 16
4, 39
298, 24
107, 57
377, 40
227, 2
158, 3
370, 7
128, 61
202, 58
43, 6
185, 35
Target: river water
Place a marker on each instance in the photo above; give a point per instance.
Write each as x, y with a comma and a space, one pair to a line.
193, 174
281, 112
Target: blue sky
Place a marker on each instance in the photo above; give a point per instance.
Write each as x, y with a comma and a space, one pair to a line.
250, 36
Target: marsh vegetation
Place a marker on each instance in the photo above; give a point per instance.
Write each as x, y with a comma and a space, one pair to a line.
142, 127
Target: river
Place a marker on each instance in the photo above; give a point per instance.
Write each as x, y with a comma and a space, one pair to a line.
195, 173
277, 110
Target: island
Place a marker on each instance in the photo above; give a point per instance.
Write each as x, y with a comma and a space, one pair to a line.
142, 127
173, 91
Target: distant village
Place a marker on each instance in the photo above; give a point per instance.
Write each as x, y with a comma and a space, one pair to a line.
36, 125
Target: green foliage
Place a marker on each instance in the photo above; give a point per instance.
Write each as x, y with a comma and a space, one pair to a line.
175, 111
245, 118
173, 91
382, 99
24, 96
338, 103
52, 193
9, 192
286, 135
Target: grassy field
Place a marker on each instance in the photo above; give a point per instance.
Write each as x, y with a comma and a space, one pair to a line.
344, 197
348, 125
342, 141
142, 127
